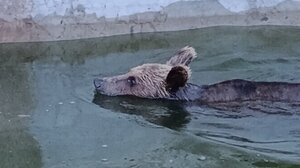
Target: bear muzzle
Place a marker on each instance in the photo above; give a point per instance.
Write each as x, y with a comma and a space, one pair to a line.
98, 83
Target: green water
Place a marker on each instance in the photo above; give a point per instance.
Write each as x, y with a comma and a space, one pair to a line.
50, 117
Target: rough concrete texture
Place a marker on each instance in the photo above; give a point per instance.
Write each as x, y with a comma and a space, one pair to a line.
50, 20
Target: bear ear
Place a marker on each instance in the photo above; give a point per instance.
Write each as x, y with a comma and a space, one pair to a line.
183, 57
177, 77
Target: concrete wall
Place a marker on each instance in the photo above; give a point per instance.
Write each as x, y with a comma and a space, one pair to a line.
48, 20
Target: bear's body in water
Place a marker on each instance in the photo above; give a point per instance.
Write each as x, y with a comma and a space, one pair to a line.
169, 81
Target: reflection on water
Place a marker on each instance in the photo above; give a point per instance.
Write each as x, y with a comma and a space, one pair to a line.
50, 116
252, 126
166, 113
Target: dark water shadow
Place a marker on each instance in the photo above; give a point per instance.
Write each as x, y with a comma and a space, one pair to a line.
165, 113
176, 114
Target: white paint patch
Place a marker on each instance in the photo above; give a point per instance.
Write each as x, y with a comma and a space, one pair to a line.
202, 158
23, 115
104, 160
235, 5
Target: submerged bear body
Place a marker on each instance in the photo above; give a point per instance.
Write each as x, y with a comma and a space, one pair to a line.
169, 81
239, 90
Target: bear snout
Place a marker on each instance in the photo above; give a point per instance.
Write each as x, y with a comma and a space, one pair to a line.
98, 83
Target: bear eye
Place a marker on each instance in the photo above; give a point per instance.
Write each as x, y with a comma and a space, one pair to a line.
131, 81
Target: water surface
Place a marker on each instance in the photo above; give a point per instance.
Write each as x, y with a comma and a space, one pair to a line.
50, 117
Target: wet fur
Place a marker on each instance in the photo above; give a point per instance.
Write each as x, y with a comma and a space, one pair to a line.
243, 90
150, 79
176, 78
169, 81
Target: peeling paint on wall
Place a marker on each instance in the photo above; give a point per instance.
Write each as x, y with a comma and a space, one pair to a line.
45, 20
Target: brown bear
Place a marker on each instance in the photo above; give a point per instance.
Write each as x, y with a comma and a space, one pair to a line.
169, 81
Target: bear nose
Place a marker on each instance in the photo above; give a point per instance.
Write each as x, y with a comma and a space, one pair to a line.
98, 82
